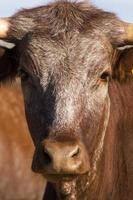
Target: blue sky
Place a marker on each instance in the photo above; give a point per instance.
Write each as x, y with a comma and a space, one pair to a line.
123, 8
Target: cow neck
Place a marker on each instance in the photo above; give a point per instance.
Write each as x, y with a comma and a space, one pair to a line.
117, 166
83, 186
113, 178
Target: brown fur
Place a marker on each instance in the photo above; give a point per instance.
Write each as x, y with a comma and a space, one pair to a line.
17, 181
114, 177
61, 51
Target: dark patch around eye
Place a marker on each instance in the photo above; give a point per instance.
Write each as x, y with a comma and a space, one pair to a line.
23, 74
105, 76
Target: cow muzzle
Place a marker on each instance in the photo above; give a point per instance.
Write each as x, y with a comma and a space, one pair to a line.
60, 159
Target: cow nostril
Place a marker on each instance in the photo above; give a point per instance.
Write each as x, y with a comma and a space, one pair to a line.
47, 158
75, 152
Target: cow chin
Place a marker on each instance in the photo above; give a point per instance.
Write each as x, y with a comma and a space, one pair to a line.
57, 177
60, 177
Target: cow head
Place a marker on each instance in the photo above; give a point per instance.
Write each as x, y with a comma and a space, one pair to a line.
63, 55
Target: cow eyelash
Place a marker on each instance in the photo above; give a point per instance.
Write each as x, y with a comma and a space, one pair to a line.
23, 74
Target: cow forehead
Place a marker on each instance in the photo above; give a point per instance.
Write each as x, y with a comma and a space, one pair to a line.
75, 51
67, 73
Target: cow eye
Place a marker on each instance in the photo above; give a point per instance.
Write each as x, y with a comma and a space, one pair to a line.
23, 74
105, 76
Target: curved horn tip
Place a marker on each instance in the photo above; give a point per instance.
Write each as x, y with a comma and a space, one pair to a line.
129, 33
4, 28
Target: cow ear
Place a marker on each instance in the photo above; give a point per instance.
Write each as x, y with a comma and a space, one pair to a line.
8, 64
123, 65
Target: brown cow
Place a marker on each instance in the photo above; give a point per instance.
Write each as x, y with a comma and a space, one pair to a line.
17, 181
78, 103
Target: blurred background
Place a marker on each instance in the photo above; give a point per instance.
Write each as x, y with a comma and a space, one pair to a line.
123, 8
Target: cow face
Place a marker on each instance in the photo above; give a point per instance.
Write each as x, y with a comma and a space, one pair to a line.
65, 66
66, 96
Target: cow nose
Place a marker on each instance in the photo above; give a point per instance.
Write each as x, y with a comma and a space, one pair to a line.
59, 158
63, 158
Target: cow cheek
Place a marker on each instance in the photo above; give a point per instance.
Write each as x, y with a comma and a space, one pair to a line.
33, 116
93, 118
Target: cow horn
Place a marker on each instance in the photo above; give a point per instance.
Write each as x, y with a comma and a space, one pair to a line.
4, 27
128, 33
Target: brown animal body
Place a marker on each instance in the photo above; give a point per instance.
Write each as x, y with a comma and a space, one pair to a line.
78, 97
17, 181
